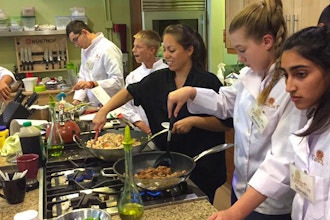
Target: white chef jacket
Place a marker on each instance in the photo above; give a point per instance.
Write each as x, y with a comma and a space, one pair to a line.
101, 62
4, 72
312, 155
129, 110
251, 146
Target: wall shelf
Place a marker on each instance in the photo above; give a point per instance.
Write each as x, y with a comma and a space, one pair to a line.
30, 33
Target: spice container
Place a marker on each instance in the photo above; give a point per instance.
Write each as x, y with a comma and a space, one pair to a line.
4, 133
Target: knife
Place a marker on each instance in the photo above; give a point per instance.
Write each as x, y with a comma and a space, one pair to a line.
26, 58
18, 93
22, 58
32, 99
58, 59
30, 57
51, 57
63, 58
46, 57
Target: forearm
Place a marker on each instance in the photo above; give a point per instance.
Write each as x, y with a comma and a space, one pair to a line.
142, 126
7, 79
249, 201
116, 101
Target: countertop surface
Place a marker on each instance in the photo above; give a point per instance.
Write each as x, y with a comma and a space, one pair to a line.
198, 209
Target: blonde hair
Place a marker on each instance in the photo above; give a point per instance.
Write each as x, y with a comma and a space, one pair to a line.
259, 19
150, 37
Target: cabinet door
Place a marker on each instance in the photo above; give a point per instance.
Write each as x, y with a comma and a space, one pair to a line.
302, 13
309, 12
233, 7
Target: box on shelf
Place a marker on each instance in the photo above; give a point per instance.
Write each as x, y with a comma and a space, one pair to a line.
62, 21
77, 11
28, 23
28, 11
82, 18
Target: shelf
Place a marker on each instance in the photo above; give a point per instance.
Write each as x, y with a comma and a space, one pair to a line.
30, 33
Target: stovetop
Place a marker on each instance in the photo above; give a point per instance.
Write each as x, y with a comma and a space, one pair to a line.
78, 180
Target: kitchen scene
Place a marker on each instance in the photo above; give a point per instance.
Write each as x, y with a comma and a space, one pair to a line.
49, 169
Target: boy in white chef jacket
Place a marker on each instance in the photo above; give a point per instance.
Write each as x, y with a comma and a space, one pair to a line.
145, 47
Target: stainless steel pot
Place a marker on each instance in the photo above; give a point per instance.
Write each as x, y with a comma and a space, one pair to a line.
180, 162
115, 154
86, 213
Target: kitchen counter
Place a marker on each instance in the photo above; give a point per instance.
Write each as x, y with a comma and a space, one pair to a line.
198, 209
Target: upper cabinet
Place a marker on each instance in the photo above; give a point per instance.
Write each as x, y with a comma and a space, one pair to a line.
302, 13
297, 13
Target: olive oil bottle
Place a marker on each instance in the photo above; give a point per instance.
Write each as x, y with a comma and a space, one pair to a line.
130, 205
55, 144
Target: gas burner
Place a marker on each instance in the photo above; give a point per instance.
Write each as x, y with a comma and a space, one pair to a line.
91, 183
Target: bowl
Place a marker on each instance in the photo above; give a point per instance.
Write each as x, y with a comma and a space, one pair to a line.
86, 213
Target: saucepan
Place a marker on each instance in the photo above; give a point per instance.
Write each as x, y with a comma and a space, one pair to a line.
180, 162
114, 154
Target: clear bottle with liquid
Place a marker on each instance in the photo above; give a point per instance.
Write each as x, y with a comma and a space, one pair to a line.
55, 144
130, 205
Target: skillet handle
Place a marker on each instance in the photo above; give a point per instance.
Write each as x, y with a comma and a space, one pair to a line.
213, 150
78, 141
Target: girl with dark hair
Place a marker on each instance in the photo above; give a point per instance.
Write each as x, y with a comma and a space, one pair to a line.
185, 54
306, 66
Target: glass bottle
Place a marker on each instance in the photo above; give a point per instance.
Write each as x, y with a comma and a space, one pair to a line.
55, 144
130, 205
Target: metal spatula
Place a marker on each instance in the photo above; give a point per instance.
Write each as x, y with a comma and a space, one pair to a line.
166, 159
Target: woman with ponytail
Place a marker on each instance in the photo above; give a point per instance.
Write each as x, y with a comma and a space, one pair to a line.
263, 115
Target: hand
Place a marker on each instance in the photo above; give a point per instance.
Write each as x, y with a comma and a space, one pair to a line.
76, 102
224, 215
4, 91
82, 85
179, 97
143, 127
183, 126
99, 120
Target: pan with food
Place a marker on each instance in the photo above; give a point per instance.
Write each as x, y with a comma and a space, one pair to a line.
181, 168
108, 146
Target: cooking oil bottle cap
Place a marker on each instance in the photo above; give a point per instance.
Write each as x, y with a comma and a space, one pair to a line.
27, 124
127, 142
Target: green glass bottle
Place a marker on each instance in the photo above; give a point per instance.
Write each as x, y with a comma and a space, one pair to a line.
130, 205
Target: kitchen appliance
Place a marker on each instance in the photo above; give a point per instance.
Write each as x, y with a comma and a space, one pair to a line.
76, 180
158, 14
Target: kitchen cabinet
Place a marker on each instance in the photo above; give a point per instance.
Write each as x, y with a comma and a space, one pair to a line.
297, 13
39, 51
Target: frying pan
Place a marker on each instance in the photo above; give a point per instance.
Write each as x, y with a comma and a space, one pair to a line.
115, 154
180, 162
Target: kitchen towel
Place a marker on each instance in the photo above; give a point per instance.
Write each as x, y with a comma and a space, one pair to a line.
11, 146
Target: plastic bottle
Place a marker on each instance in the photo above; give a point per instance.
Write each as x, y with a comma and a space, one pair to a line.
4, 132
72, 74
31, 142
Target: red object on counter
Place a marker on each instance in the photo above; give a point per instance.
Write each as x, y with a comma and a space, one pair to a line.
29, 74
67, 130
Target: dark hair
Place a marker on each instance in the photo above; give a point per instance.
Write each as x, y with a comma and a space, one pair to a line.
186, 37
325, 16
313, 43
76, 27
